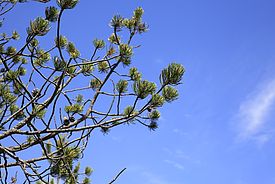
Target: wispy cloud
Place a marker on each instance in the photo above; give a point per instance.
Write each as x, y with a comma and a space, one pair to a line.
147, 176
116, 138
159, 61
151, 178
254, 112
176, 153
174, 164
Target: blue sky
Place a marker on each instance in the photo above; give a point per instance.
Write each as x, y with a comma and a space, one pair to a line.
221, 130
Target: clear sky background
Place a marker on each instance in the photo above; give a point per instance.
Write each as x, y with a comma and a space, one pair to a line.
221, 130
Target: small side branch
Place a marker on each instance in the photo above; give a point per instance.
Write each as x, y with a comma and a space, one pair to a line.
115, 178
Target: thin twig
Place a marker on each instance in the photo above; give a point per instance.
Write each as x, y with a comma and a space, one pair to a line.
115, 178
